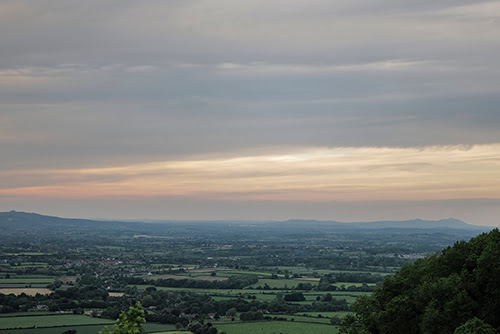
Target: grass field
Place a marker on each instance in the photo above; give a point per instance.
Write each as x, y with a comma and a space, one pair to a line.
22, 285
61, 322
275, 327
259, 297
27, 280
27, 254
91, 329
298, 318
203, 291
198, 277
325, 314
31, 265
220, 294
281, 283
239, 272
151, 327
305, 271
27, 314
50, 321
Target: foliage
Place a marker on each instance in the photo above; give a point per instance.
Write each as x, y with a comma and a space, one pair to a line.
351, 324
233, 282
438, 294
129, 322
475, 326
248, 316
294, 297
200, 328
335, 320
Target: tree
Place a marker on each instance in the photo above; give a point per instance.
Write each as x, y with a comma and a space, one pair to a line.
440, 294
294, 297
199, 328
351, 325
475, 326
231, 312
128, 322
335, 320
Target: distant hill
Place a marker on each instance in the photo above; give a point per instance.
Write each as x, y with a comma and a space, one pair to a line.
451, 223
15, 222
25, 222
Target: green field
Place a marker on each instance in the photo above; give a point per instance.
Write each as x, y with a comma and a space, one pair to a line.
240, 272
50, 321
325, 314
32, 322
274, 327
27, 254
259, 297
26, 280
308, 271
281, 283
299, 318
21, 285
154, 327
29, 314
221, 294
31, 265
91, 329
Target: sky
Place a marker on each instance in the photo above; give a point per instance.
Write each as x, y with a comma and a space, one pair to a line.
342, 110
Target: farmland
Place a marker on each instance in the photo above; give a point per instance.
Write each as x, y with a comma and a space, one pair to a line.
277, 327
27, 291
242, 279
49, 321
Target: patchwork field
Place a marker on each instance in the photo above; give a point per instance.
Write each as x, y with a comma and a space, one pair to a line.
288, 277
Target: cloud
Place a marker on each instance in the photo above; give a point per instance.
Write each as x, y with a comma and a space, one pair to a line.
90, 85
266, 69
475, 11
141, 69
307, 174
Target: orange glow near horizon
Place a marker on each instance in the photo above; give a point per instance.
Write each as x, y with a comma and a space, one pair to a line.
304, 174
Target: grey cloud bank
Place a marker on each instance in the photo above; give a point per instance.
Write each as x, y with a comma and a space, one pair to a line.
93, 83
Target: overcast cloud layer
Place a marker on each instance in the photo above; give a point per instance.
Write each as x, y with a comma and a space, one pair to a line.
88, 85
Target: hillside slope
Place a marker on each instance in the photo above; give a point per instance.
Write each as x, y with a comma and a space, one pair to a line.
437, 294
